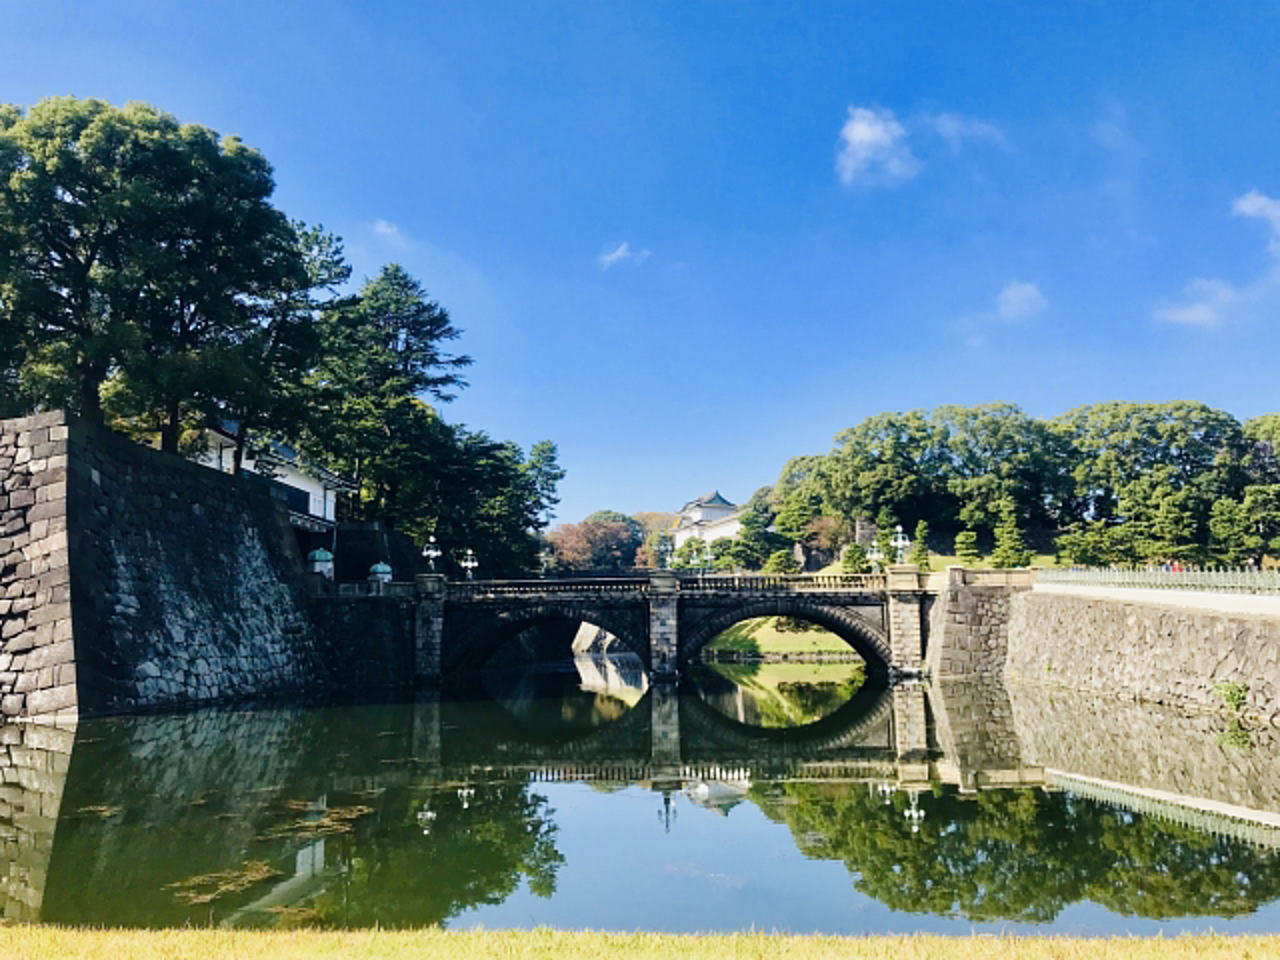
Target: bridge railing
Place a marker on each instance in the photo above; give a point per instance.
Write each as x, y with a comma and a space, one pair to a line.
1242, 580
869, 582
479, 589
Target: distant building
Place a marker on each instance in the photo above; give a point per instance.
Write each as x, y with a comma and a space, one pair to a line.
709, 518
308, 491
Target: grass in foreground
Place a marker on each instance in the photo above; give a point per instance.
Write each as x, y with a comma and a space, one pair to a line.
37, 943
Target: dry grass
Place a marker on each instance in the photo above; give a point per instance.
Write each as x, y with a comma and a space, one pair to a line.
39, 943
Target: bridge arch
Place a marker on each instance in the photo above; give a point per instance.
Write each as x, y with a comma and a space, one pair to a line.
467, 648
863, 717
870, 642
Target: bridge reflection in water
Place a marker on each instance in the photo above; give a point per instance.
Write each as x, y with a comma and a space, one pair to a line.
967, 800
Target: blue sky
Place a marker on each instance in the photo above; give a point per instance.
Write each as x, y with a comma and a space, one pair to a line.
688, 240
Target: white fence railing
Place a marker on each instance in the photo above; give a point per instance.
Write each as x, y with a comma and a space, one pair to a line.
1241, 580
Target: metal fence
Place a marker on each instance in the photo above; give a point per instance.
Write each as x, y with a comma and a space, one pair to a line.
1221, 580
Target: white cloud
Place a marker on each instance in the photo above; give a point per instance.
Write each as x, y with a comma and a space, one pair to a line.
1208, 302
1211, 302
1020, 300
873, 148
1255, 204
621, 254
387, 231
956, 128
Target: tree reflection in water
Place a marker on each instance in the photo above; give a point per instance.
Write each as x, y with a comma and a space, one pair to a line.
435, 854
1021, 854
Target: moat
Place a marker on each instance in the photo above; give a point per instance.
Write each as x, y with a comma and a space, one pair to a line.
787, 796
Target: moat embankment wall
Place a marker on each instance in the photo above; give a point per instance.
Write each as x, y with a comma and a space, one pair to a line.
1147, 651
136, 580
1145, 648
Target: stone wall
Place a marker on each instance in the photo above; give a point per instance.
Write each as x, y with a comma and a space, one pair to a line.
968, 625
1160, 654
1145, 745
33, 766
37, 660
136, 580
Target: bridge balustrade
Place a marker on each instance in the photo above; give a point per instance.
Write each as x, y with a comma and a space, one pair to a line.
862, 582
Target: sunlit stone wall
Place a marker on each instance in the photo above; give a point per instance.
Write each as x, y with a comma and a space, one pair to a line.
134, 579
1160, 654
37, 660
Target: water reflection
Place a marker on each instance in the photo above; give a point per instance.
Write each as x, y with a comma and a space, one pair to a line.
777, 694
966, 804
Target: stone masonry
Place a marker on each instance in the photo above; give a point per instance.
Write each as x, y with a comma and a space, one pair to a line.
1160, 654
37, 659
136, 580
969, 624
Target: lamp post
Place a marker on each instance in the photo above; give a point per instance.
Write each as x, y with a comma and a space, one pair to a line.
913, 813
431, 552
901, 543
469, 563
548, 559
664, 552
875, 556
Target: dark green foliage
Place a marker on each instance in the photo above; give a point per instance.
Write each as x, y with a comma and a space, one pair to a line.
781, 561
145, 275
920, 546
967, 548
855, 559
1009, 551
1115, 482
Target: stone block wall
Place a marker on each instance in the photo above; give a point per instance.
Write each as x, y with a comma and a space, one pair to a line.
33, 768
1145, 745
37, 659
185, 582
968, 627
136, 580
1160, 654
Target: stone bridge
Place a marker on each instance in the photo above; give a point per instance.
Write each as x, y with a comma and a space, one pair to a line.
665, 618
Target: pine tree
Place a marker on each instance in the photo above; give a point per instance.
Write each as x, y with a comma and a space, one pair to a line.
884, 536
855, 559
920, 548
967, 548
1009, 551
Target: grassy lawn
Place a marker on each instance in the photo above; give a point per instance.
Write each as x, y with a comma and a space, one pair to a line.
38, 943
761, 636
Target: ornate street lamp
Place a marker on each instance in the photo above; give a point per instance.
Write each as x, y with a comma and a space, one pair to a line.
875, 556
665, 549
469, 563
431, 552
901, 543
913, 813
548, 559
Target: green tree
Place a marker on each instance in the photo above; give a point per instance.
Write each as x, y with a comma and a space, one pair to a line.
920, 546
1009, 551
722, 553
854, 559
885, 528
378, 354
1229, 531
967, 548
781, 561
690, 555
755, 541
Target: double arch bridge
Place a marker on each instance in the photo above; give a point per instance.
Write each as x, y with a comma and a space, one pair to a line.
666, 619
